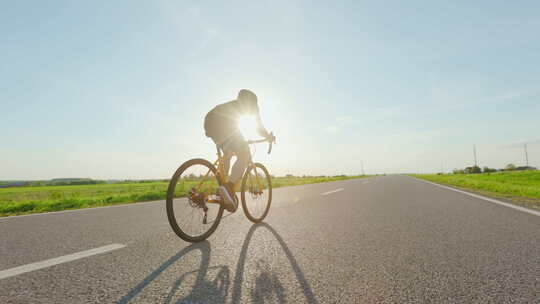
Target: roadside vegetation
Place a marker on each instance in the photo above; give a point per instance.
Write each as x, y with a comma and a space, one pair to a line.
35, 199
520, 187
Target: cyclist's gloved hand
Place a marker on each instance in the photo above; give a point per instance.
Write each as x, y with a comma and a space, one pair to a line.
270, 137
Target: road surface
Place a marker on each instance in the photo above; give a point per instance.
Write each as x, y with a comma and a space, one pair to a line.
390, 239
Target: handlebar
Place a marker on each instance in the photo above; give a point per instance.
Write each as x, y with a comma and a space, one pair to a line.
270, 142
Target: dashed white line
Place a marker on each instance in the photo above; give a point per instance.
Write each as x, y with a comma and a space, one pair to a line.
333, 191
59, 260
366, 182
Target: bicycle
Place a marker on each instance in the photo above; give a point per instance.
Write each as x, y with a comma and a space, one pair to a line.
192, 192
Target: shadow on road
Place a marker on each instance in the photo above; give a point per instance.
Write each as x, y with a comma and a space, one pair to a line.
267, 282
204, 290
203, 247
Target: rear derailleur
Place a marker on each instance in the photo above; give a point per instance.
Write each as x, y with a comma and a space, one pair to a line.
198, 200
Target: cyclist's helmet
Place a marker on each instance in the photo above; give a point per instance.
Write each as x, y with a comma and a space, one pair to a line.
247, 99
247, 95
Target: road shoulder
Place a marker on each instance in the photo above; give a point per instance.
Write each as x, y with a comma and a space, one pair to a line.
524, 204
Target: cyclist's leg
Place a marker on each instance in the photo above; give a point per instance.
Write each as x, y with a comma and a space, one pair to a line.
226, 159
240, 147
222, 142
237, 145
242, 159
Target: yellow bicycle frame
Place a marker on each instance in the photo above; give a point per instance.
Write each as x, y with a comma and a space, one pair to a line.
222, 176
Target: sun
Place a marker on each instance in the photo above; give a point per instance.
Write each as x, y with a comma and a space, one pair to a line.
248, 126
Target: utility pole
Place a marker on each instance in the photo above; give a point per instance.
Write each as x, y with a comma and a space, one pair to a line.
363, 168
526, 155
474, 151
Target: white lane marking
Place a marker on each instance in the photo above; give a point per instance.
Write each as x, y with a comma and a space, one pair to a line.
530, 211
59, 260
366, 182
333, 191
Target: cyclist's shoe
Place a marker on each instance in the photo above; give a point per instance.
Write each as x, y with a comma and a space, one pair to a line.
228, 198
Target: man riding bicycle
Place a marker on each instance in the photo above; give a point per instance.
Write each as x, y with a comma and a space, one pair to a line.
221, 124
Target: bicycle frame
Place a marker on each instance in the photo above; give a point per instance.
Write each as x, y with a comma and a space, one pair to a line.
222, 175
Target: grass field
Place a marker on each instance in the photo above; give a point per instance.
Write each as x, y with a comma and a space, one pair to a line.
23, 200
520, 187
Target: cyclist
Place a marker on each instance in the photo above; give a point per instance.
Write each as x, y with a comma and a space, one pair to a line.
221, 124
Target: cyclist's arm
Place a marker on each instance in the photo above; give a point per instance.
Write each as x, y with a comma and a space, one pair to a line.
261, 130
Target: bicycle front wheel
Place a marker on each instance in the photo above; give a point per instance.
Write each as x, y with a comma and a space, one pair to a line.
256, 192
192, 208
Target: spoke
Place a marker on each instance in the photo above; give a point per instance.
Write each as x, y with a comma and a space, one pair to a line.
191, 216
186, 213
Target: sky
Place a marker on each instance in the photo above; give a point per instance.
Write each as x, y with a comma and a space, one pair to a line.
119, 89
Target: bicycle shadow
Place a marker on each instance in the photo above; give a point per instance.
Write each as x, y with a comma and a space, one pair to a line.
267, 284
203, 289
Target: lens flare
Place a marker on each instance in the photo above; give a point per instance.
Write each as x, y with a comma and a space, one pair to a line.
248, 126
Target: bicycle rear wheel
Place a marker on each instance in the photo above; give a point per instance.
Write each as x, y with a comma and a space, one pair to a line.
192, 208
256, 193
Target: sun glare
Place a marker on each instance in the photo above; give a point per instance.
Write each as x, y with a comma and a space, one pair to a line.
248, 126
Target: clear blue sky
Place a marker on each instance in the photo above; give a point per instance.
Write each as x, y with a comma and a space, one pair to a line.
119, 89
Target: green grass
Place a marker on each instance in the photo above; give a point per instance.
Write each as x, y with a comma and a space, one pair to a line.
24, 200
520, 187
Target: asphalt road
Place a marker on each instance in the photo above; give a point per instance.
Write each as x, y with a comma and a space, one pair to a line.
389, 239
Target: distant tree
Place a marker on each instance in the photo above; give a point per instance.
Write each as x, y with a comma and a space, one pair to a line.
289, 175
510, 167
458, 171
526, 168
473, 170
488, 170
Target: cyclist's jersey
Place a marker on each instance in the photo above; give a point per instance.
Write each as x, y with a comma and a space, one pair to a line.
222, 121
